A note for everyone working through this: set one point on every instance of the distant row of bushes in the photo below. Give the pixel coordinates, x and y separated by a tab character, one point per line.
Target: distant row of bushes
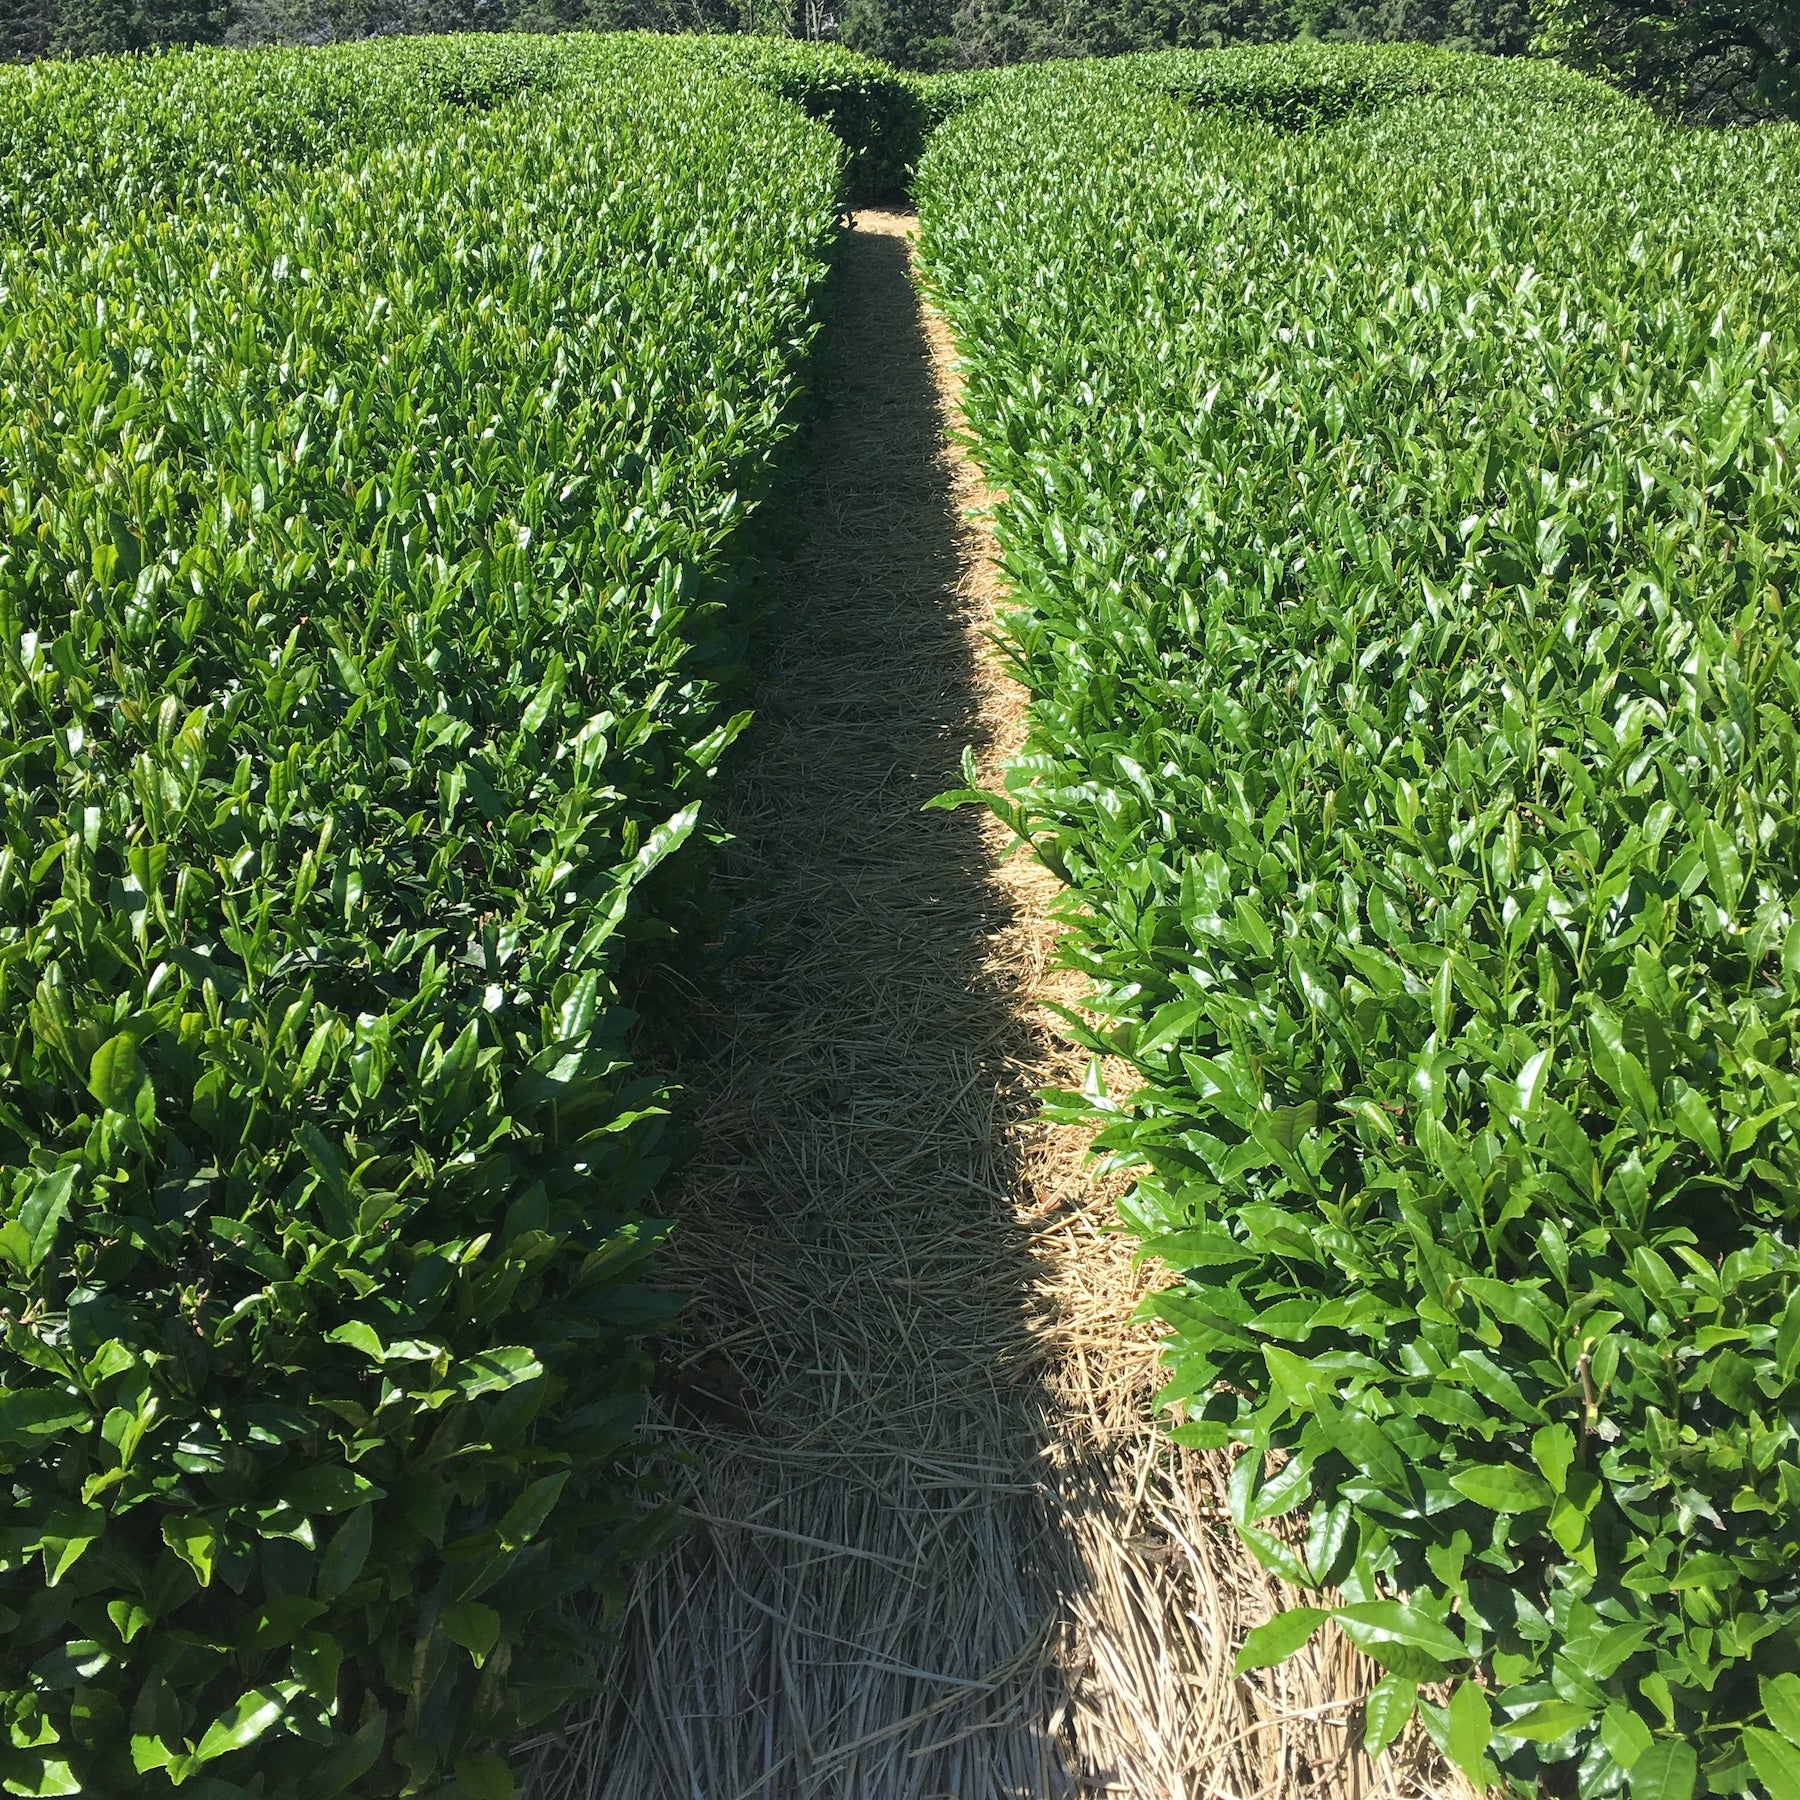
1720	60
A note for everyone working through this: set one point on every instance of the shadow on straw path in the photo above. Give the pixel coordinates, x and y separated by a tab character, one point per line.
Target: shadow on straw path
935	1549
861	1604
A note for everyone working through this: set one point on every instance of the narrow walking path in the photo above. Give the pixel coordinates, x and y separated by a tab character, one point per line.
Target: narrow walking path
935	1550
864	1603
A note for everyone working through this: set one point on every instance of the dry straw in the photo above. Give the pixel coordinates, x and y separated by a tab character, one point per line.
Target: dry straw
936	1547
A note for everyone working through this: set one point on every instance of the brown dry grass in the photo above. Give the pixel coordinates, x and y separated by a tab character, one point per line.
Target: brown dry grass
937	1548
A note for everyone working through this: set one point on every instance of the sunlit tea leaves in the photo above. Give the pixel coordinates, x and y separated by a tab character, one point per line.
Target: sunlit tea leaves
1399	456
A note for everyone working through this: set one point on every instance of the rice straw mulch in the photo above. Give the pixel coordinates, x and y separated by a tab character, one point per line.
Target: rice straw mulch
936	1549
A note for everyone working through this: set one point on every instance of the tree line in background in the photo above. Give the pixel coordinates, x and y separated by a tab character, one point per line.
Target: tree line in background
917	34
1717	60
980	33
35	28
1710	59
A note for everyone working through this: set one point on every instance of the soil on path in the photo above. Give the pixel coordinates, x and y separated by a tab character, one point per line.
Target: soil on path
935	1550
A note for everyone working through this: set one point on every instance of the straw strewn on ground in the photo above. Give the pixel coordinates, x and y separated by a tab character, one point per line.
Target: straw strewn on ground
936	1548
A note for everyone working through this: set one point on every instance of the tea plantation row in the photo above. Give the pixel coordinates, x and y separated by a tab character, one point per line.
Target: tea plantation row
1402	488
378	430
1400	510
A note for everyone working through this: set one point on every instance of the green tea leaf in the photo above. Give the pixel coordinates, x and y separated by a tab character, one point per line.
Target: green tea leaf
345	1553
505	1366
1667	1770
240	1725
1776	1762
474	1626
1387	1712
484	1778
1548	1721
1624	1734
1553	1450
114	1072
1502	1488
1691	1112
195	1540
1780	1695
1279	1638
1372	1625
30	1416
1470	1731
43	1211
521	1521
325	1488
1531	1082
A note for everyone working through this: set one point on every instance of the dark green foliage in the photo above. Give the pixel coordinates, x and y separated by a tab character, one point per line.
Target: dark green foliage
250	23
925	35
1494	27
1404	582
100	27
26	27
370	523
653	15
979	34
993	32
916	35
1712	59
879	115
96	28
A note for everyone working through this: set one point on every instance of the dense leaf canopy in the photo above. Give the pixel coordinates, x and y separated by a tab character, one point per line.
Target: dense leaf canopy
1713	59
1402	584
378	427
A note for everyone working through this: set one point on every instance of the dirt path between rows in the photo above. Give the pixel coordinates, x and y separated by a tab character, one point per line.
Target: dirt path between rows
936	1551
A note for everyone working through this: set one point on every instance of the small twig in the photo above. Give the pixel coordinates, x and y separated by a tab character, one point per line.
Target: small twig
1590	1404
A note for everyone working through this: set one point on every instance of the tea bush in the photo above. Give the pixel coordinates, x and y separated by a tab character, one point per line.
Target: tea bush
120	135
1301	86
371	497
1401	522
881	115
